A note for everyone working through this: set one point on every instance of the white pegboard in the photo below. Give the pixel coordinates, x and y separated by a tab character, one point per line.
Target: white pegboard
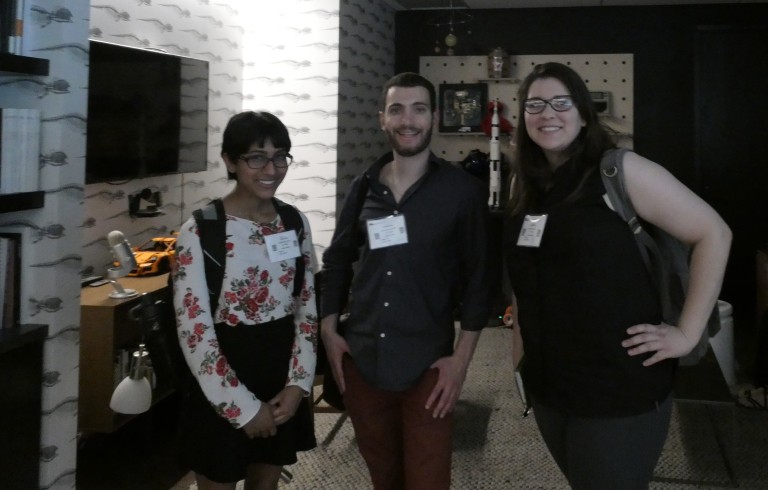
611	73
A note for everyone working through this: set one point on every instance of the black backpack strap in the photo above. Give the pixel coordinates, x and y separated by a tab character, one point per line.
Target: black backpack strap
292	221
612	173
362	194
211	226
212	223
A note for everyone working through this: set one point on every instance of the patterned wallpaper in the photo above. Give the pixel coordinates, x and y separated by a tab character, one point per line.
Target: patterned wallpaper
367	61
317	64
321	73
198	29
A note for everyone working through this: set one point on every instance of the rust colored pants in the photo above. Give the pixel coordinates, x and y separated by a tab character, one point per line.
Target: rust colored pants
404	447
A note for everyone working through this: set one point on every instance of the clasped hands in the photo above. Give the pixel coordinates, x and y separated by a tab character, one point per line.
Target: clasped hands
275	412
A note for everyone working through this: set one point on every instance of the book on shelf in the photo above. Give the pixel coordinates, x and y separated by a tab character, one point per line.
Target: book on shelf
19	27
12	13
10	263
6	11
19	150
3	273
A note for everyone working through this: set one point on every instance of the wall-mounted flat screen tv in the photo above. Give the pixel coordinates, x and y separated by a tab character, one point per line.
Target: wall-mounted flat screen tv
147	113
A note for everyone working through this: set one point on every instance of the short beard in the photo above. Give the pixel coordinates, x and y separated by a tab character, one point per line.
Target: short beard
409	152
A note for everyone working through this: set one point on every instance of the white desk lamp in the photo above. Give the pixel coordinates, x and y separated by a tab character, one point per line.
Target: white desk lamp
134	393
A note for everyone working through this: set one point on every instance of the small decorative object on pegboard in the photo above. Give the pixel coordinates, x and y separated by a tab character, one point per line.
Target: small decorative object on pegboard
494	161
498	63
462	107
505	127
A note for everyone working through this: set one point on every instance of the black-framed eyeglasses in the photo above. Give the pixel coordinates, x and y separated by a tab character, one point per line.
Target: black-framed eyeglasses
257	161
536	105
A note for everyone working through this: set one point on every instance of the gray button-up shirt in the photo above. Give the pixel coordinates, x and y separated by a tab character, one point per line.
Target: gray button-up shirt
404	298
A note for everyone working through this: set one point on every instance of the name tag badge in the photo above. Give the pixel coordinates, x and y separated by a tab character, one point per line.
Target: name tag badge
387	232
532	230
282	246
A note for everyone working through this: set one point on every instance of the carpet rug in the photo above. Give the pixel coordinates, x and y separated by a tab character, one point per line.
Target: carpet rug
495	447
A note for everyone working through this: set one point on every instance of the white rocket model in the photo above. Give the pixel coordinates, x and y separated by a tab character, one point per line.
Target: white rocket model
494	199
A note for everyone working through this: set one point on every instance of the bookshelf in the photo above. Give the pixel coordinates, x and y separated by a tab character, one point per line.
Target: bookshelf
25	65
13	64
21	362
21	201
21	346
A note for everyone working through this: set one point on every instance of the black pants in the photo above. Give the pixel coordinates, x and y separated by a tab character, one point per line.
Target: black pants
605	453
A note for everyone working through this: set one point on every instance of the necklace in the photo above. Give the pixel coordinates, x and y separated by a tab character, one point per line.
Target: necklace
263	217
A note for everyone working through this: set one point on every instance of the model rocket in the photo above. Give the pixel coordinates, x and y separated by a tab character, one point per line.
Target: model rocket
494	198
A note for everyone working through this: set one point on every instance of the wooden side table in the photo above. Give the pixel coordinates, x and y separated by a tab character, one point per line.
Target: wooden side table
106	328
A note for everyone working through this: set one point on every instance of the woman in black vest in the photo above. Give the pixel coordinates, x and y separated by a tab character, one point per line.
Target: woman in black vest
599	362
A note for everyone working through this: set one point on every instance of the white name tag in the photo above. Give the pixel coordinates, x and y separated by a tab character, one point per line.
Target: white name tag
282	246
532	230
387	232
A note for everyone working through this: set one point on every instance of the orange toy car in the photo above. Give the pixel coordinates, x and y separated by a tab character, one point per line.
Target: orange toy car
155	256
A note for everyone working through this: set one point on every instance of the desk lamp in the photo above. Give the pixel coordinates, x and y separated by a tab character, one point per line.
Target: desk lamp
123	254
134	394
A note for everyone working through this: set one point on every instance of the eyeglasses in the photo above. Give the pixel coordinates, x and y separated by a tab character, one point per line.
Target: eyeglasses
258	161
536	105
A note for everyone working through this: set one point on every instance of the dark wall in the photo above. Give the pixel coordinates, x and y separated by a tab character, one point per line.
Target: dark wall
662	40
682	94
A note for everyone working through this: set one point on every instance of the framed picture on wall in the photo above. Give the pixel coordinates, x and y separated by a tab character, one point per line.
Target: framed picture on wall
462	107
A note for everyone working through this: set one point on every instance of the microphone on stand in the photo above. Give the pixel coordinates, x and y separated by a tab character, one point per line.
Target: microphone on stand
126	260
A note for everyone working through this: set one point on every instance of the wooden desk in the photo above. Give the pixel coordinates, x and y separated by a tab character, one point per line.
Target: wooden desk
106	328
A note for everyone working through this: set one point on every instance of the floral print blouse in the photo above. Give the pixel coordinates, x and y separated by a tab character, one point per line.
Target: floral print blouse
254	291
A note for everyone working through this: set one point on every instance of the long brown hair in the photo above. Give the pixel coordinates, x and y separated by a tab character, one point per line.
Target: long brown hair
530	167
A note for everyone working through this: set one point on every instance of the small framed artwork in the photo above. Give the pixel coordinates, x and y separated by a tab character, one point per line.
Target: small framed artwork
462	107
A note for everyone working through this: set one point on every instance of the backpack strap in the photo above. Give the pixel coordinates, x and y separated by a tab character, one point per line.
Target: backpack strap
212	225
362	193
612	173
292	221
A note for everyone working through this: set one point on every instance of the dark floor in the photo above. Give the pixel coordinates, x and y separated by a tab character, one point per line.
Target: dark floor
141	455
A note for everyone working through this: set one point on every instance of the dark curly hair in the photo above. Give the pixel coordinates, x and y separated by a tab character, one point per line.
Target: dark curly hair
249	127
408	79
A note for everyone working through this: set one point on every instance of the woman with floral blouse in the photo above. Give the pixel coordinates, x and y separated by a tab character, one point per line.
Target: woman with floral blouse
253	357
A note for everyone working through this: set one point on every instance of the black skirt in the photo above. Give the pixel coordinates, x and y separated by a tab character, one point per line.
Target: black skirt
209	445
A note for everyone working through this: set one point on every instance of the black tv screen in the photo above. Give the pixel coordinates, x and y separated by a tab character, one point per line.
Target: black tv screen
147	113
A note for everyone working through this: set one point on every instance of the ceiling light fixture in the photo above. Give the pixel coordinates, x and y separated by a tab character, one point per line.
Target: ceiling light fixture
450	18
